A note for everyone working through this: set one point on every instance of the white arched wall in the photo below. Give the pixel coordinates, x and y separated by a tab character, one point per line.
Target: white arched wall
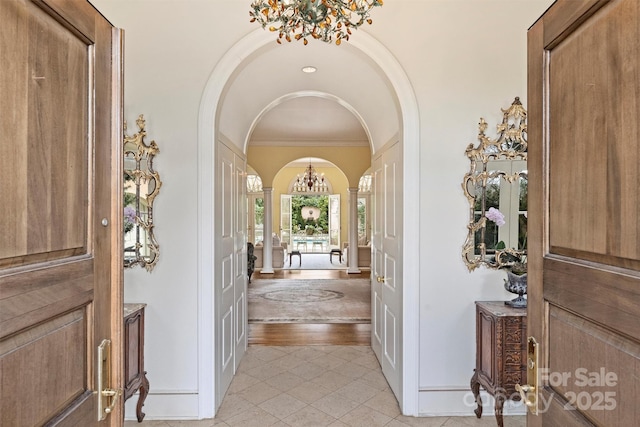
300	94
207	138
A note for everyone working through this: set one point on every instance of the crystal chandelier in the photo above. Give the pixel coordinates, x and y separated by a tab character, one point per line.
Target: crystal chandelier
310	181
320	19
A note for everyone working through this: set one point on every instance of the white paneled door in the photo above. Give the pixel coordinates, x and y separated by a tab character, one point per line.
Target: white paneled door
230	285
386	290
285	219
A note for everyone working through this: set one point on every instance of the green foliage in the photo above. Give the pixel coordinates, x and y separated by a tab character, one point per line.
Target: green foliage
129	198
300	223
259	211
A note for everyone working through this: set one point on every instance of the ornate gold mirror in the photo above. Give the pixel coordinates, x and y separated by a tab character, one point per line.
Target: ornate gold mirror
141	186
496	188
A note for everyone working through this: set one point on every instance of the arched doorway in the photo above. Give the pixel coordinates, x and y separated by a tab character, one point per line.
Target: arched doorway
408	138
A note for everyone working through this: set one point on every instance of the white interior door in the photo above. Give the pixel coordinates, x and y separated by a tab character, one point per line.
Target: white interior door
285	219
386	295
334	220
240	278
230	280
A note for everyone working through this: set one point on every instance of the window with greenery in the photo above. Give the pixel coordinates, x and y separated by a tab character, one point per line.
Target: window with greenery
301	224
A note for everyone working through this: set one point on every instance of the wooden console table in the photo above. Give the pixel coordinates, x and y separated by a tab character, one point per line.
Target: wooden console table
135	376
501	353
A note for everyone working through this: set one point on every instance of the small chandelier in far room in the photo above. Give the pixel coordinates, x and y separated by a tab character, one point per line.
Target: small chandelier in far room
310	181
320	19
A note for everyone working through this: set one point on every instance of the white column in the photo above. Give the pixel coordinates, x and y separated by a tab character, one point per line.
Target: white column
352	253
267	251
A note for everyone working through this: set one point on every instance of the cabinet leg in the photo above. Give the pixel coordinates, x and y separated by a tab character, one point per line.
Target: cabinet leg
498	408
475	388
144	390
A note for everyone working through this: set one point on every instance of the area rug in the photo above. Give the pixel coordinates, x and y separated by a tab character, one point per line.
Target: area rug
311	261
310	301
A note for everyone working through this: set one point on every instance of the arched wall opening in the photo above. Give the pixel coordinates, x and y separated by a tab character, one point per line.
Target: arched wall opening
208	137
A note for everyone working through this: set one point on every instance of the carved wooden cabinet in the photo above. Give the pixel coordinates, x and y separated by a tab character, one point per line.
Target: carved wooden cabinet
135	376
501	353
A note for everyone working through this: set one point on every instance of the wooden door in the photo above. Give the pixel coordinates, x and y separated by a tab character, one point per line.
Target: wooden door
60	212
386	288
584	227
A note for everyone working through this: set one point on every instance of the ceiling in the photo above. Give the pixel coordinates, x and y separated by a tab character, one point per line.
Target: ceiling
269	100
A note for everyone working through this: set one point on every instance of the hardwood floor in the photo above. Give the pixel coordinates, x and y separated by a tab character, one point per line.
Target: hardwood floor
281	334
286	334
310	274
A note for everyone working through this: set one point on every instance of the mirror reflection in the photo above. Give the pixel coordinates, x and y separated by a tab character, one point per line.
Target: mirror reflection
141	186
496	188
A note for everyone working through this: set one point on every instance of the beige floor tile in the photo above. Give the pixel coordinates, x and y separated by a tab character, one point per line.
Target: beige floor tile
131	423
260	392
309	417
376	380
267	371
347	353
384	402
351	370
240	382
285	381
282	405
231	406
289	361
267	354
365	417
254	417
328	361
309	392
316	386
421	421
308	371
308	353
331	380
485	421
358	390
367	361
198	423
335	405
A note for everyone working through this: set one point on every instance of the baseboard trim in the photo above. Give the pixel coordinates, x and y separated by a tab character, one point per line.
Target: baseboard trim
460	402
165	406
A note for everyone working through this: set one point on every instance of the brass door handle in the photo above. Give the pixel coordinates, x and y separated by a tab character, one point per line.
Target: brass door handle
524	391
529	391
107	397
113	394
380	279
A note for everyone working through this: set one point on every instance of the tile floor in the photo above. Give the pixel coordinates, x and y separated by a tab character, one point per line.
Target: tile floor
314	386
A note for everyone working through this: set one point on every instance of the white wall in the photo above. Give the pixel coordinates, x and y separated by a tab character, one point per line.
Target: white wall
466	59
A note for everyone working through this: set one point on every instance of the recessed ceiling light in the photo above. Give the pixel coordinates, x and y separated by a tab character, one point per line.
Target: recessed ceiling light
309	69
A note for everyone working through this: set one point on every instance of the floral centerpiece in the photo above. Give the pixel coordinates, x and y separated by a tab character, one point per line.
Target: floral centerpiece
513	261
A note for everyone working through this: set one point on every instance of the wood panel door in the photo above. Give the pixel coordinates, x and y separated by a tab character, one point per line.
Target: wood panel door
584	225
386	277
60	212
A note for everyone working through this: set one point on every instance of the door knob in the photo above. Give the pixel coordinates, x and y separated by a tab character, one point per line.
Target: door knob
380	279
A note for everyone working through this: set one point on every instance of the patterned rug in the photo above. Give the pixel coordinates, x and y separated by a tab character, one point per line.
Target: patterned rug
310	301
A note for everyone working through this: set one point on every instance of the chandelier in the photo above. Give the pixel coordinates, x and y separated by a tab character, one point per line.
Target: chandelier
320	19
310	181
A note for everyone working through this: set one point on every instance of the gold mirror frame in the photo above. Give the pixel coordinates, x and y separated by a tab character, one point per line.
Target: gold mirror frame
144	182
511	144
